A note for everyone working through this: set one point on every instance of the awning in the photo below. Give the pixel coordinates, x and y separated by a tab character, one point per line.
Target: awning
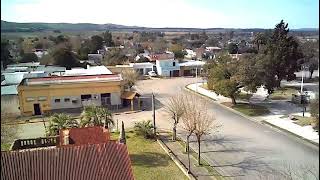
129	95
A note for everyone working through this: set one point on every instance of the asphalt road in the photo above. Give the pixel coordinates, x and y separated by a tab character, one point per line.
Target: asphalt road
242	149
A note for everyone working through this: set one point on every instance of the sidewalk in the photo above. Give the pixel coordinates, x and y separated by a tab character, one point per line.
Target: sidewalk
177	149
277	109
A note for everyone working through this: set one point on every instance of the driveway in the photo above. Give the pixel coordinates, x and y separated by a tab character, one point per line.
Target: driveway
242	149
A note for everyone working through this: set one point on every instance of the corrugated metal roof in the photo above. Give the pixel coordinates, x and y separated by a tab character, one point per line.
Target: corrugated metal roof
73	79
93	161
9	90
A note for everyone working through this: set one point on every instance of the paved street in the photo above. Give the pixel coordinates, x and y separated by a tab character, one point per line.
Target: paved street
242	149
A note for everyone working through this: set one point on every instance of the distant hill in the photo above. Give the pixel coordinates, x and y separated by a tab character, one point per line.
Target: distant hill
36	27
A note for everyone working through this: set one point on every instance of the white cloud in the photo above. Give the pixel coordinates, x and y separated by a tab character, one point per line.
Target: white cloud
164	13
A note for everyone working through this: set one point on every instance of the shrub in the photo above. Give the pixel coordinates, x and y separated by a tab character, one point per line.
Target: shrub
144	128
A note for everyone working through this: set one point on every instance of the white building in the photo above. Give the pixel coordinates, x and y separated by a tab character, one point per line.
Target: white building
142	68
168	67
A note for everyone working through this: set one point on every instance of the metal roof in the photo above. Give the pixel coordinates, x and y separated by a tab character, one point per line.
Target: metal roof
9	90
72	79
101	161
192	63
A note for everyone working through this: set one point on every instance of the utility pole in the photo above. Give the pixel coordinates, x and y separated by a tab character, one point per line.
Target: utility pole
154	115
196	78
302	96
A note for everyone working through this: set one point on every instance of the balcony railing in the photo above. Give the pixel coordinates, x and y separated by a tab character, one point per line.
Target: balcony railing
35	142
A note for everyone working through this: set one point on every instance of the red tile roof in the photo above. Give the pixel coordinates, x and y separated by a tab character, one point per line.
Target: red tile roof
86	135
103	161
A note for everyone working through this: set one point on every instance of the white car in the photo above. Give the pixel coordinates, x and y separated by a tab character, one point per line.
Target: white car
152	74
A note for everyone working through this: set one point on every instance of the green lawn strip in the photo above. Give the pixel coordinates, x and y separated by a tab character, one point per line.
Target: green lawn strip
303	121
148	160
249	109
204	163
283	93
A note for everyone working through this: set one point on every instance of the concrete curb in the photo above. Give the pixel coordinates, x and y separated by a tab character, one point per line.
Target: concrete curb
262	122
175	159
291	133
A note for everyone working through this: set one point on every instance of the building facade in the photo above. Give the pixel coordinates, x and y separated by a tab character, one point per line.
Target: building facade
168	67
41	95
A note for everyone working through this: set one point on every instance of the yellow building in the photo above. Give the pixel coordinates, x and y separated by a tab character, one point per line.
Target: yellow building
40	95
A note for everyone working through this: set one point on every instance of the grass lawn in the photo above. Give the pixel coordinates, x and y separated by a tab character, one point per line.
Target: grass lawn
303	121
249	109
149	160
284	93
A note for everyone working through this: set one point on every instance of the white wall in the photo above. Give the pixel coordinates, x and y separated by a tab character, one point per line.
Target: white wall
10	105
62	104
165	66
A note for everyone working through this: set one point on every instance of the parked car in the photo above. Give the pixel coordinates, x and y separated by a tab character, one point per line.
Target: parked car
152	74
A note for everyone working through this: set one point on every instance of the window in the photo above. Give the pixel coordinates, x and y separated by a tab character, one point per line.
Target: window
86	97
42	98
28	99
57	100
106	99
174	64
66	99
74	101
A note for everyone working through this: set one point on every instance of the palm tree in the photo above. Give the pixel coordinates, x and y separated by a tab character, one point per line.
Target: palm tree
105	116
96	116
60	121
144	128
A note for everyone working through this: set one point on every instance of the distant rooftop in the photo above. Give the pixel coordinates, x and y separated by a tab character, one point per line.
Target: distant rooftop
91	70
9	90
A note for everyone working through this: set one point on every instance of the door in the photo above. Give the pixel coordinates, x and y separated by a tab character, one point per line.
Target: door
37	110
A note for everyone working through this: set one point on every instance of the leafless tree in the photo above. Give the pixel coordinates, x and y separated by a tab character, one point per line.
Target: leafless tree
189	120
205	123
130	77
175	107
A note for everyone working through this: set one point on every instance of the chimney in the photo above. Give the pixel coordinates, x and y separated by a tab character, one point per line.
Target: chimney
122	135
65	137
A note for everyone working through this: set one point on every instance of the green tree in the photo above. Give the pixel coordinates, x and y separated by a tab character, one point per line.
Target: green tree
226	76
60	121
144	128
29	57
96	116
233	48
281	58
96	43
107	37
6	58
60	39
63	56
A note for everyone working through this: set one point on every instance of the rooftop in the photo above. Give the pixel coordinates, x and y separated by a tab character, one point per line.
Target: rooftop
9	90
91	70
71	79
192	63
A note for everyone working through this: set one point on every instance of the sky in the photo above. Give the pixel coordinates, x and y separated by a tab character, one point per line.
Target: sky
167	13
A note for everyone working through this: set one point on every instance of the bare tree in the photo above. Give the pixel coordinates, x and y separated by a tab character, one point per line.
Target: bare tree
188	120
176	109
205	123
130	77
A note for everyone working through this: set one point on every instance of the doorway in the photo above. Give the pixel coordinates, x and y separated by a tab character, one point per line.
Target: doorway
36	108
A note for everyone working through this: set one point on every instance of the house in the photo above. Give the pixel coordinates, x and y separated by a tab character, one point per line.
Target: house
41	95
168	67
143	68
190	67
77	153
